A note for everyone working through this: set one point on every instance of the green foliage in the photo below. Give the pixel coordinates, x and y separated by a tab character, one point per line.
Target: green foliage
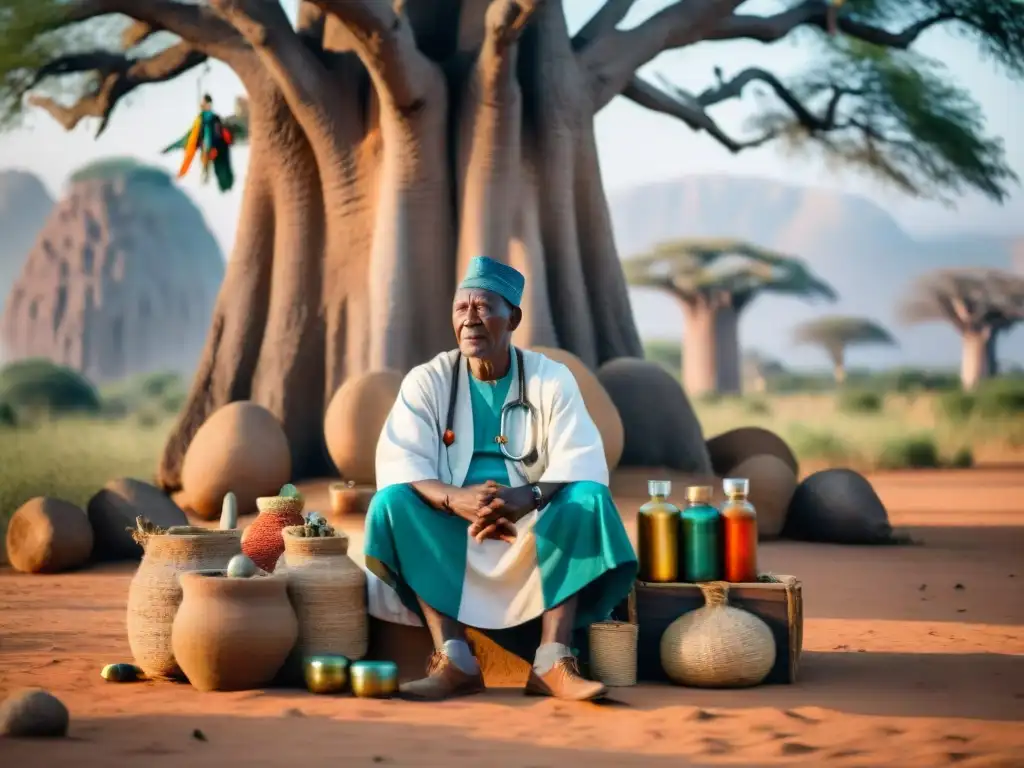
914	452
901	117
122	167
963	458
996	399
757	406
860	402
834	333
8	416
694	267
151	397
667	354
819	444
41	387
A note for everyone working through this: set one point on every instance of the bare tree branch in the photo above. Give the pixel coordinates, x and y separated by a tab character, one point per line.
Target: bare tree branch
311	23
384	41
135	33
118	75
612	58
689	110
814	13
604	21
505	21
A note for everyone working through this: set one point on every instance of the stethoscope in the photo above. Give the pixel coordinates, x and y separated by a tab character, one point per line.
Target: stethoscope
521	403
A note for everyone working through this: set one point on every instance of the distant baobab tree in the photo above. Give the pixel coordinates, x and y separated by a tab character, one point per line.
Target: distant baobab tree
715	280
979	303
834	333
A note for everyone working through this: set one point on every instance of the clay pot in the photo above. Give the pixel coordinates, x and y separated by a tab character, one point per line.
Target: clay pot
730	448
155	592
241	448
661	428
263	542
772	484
114	508
328	592
354	420
599	405
232	634
349	499
47	535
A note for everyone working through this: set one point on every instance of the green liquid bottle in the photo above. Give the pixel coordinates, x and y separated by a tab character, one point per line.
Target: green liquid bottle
701	536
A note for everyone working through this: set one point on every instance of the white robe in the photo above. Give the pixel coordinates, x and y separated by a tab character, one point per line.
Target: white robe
502	585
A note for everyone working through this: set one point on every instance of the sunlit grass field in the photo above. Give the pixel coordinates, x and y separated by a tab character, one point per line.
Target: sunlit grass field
73	457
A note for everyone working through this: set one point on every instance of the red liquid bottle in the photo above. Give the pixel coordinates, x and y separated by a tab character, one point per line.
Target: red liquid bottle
739	532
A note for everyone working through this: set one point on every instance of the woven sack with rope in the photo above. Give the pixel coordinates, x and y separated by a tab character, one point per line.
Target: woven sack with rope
718	645
613	649
155	593
328	592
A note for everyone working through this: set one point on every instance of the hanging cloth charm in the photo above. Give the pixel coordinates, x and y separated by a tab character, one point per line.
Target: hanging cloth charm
832	16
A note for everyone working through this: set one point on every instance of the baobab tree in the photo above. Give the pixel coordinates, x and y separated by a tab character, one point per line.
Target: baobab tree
390	140
979	303
714	280
835	333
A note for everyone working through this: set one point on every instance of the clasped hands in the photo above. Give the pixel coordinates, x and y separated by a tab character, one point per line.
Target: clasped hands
492	509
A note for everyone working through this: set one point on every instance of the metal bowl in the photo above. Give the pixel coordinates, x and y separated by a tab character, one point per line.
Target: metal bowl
326	674
374	679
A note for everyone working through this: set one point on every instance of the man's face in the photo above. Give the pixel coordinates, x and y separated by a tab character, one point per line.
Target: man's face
483	323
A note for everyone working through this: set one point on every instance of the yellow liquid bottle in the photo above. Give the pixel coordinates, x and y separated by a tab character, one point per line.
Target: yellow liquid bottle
658	535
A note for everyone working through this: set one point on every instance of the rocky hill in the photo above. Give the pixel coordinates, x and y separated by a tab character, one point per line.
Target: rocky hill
121	279
24	206
849	240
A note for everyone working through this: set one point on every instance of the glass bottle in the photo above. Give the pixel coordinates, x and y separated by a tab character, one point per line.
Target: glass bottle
658	535
739	532
701	536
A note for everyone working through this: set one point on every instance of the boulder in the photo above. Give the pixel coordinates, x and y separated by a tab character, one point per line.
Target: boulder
33	713
599	405
354	419
730	448
660	427
240	448
112	511
47	535
121	280
772	484
837	506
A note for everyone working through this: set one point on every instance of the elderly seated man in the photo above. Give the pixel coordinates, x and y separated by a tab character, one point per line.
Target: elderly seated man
493	506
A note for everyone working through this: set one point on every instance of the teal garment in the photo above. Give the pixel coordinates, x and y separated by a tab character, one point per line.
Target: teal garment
581	544
487	399
208	133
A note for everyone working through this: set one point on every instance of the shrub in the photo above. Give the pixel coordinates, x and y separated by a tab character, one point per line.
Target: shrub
757	407
8	418
860	402
914	452
819	444
1000	399
159	384
41	386
963	458
956	406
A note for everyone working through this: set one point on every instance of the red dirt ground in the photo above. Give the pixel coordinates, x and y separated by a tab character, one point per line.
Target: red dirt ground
901	667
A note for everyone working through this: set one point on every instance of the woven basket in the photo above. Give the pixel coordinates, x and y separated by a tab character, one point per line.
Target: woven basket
613	647
155	593
717	646
328	592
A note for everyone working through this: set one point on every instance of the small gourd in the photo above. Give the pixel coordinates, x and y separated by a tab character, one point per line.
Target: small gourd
121	673
241	567
229	512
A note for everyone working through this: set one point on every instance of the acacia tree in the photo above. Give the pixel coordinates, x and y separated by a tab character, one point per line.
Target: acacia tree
393	139
714	280
980	303
835	333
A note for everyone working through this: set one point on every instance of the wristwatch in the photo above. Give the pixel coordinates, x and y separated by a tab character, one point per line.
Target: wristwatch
538	496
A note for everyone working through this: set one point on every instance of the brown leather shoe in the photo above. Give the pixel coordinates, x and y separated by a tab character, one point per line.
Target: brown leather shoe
443	681
564	681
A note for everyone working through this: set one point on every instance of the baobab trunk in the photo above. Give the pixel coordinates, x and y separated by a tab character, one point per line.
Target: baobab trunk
974	362
838	355
728	369
700	359
376	170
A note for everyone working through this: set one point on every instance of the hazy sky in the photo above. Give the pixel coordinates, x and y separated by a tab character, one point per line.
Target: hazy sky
636	146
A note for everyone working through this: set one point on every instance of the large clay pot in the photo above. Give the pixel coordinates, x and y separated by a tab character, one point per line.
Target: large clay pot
155	592
354	419
262	542
328	592
233	634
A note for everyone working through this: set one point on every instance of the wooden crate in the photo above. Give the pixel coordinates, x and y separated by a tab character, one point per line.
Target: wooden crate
779	605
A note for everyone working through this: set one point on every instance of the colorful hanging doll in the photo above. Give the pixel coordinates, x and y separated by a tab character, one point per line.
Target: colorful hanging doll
832	16
212	139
